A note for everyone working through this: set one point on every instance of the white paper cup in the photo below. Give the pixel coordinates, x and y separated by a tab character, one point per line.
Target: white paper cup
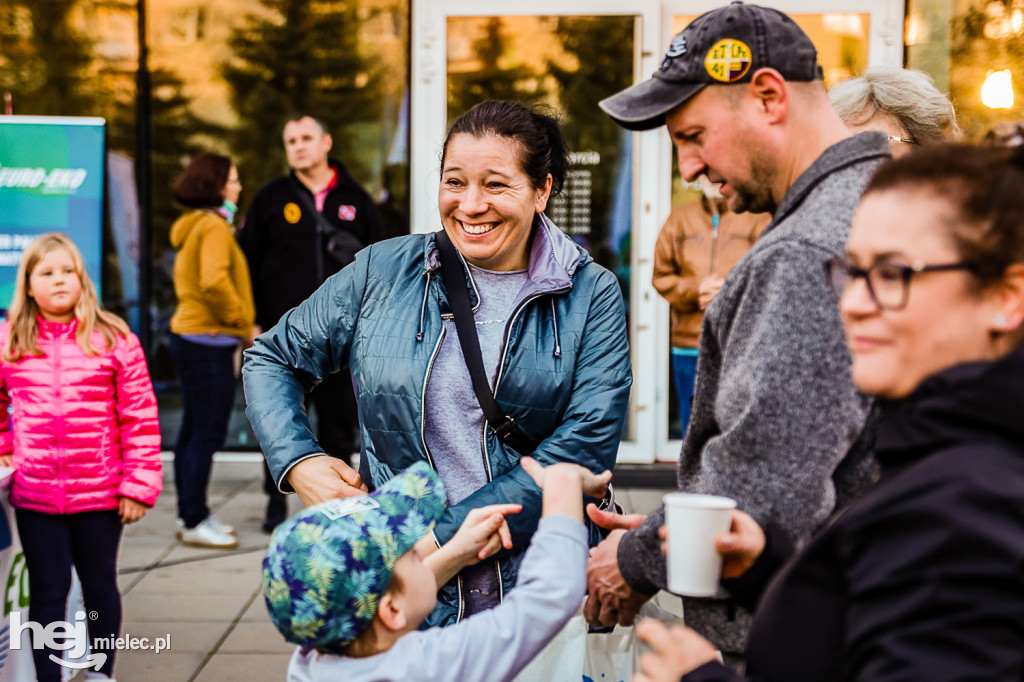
694	521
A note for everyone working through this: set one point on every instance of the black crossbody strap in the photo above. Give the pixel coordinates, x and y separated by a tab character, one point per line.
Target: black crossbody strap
458	298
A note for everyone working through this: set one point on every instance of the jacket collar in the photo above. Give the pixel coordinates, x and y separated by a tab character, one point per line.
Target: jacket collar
56	329
848	152
343	179
972	402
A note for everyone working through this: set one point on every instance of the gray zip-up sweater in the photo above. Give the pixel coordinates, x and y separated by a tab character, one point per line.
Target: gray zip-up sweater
775	412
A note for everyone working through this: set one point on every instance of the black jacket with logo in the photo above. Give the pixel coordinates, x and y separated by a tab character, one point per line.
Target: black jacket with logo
280	239
922	577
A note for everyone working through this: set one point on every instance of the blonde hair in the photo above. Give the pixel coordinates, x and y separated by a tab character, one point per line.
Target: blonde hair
23	318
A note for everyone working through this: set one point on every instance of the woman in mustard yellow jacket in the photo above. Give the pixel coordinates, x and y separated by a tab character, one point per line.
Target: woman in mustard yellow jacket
215	314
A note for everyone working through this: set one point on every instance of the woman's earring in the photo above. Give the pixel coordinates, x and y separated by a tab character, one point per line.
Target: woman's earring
999	321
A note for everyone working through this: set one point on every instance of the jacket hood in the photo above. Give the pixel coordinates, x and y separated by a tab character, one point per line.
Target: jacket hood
967	403
184	225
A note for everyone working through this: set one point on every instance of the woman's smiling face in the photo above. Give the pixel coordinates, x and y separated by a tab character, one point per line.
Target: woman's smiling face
487	201
946	321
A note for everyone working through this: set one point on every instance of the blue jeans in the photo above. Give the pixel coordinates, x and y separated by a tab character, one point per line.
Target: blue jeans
684	369
208	395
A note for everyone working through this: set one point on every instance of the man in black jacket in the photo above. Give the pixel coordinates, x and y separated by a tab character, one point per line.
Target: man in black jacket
301	229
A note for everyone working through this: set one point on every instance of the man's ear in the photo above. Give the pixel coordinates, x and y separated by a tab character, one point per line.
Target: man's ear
390	613
769	90
329	140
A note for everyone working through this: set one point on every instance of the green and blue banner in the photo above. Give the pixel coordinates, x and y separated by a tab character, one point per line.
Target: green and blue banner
51	180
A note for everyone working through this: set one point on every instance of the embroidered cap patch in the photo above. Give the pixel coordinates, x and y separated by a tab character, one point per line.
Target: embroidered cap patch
728	60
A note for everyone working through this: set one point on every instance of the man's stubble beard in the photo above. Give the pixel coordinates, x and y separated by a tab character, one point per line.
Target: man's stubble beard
755	194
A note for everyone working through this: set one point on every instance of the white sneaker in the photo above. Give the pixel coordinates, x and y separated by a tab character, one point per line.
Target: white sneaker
221	526
206	535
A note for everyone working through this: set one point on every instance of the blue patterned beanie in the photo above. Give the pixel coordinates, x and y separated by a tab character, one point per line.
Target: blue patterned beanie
328	566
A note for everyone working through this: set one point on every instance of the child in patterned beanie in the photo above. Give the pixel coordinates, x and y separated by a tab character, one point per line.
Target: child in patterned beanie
345	581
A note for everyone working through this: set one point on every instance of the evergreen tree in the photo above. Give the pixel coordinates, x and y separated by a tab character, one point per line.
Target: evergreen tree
293	57
44	60
491	80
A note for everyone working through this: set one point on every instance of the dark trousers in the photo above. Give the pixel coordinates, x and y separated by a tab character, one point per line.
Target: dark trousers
53	543
208	395
337	420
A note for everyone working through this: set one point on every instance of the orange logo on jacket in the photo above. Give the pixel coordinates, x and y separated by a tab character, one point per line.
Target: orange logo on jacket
292	212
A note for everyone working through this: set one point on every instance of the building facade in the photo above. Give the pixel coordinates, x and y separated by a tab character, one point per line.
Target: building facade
388	75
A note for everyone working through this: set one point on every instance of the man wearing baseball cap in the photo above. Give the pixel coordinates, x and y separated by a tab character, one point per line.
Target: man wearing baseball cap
775	414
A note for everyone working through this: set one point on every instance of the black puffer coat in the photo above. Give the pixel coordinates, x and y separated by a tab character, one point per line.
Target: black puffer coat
921	578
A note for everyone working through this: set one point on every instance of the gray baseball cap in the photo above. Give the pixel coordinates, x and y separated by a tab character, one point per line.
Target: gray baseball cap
723	46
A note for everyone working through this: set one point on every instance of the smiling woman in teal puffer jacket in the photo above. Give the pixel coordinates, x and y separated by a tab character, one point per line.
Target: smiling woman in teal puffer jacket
552	333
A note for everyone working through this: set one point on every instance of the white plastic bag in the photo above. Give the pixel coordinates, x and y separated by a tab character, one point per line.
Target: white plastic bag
612	657
562	659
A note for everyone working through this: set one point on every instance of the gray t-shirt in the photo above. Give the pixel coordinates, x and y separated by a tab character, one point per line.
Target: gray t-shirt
454	420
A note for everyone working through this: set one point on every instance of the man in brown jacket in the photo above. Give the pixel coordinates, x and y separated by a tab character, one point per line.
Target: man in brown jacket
698	245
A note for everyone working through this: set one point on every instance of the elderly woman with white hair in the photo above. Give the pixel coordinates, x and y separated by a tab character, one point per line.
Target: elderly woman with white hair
903	103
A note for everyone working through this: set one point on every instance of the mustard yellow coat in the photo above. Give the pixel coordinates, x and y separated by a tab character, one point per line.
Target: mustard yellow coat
211	278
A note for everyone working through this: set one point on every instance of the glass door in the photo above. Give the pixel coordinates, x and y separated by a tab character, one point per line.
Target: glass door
568	56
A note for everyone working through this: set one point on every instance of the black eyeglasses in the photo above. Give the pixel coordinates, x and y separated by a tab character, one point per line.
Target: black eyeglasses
888	283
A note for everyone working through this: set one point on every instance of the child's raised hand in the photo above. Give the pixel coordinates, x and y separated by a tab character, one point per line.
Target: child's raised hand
594	485
131	510
483	533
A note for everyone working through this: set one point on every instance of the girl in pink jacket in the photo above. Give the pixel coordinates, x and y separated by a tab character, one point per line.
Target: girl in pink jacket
81	434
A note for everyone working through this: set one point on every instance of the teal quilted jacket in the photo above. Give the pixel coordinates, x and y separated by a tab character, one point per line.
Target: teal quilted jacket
564	373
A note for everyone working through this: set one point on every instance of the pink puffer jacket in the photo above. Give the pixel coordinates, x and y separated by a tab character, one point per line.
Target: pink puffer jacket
84	428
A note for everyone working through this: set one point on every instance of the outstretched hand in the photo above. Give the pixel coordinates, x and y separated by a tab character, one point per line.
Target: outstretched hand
610	520
594	485
321	478
483	533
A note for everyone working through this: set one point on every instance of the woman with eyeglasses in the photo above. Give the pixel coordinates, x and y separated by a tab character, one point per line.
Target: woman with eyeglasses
922	577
